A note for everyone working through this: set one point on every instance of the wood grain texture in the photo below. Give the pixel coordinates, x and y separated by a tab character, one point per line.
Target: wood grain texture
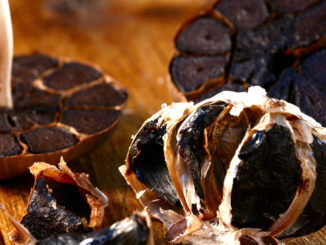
132	40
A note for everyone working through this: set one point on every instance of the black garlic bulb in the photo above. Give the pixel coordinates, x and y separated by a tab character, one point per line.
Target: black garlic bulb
237	168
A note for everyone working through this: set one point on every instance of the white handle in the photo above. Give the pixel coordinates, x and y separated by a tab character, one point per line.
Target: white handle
6	55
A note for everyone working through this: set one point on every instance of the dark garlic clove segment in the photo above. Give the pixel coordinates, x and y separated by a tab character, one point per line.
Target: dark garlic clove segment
62	202
61	108
132	230
258	201
278	45
146	159
65	208
245	169
313	216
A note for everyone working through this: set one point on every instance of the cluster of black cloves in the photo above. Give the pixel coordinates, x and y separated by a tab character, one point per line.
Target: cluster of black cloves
237	168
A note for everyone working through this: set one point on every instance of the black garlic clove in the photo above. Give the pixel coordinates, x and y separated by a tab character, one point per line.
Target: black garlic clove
62	202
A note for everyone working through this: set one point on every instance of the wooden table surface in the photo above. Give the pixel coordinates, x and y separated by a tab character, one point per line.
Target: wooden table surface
132	40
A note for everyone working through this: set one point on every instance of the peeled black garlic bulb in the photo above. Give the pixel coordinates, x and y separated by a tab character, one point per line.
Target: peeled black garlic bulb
237	168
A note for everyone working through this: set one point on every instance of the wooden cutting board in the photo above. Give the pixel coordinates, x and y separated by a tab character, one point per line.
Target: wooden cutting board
133	41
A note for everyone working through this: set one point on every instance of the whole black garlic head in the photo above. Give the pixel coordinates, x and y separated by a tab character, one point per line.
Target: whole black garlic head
237	168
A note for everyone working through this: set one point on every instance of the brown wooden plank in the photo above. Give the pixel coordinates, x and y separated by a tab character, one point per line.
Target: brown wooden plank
133	41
